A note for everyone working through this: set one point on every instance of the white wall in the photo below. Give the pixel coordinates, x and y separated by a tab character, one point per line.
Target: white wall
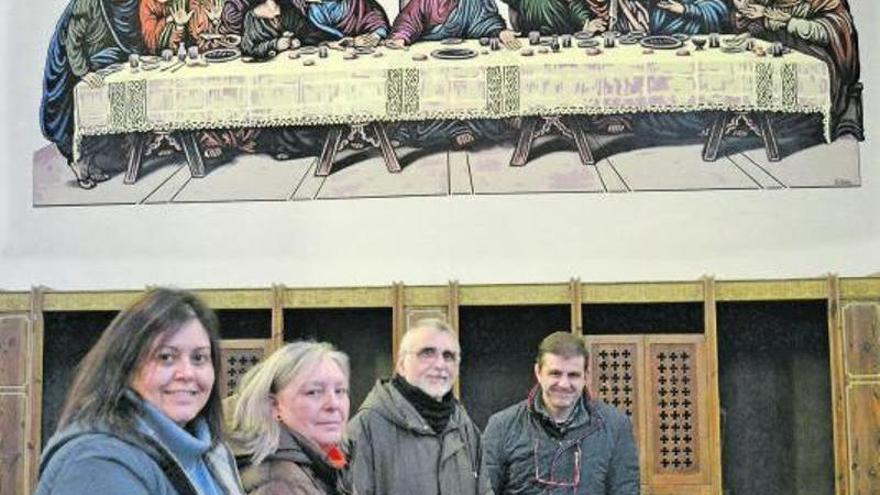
548	238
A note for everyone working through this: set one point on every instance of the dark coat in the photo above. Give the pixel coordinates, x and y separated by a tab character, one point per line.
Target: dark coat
294	468
599	439
395	451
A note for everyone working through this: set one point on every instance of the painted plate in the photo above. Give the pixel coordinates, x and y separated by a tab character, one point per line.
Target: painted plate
219	55
661	42
630	38
453	53
587	43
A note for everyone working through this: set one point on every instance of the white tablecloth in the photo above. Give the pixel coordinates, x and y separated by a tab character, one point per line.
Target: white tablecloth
495	84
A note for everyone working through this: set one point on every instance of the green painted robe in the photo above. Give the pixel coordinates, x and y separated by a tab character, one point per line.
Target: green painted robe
550	16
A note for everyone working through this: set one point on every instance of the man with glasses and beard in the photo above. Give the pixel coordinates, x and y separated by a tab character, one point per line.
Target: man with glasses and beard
560	440
411	435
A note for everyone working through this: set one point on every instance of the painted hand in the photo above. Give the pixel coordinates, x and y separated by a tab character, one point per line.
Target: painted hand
282	43
370	40
395	43
777	15
214	14
754	12
181	17
672	6
594	26
508	39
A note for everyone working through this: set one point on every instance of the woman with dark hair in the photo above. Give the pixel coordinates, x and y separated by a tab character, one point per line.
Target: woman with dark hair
144	415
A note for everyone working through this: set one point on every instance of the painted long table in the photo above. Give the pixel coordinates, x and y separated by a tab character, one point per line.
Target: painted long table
394	86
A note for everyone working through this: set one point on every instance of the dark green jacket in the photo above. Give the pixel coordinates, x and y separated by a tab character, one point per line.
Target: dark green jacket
394	451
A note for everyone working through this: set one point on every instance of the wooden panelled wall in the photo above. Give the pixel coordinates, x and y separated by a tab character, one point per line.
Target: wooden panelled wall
668	384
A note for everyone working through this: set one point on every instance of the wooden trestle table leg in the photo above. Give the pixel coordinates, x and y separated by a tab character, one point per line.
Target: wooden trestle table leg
328	153
524	144
386	148
135	157
768	134
716	134
193	153
580	140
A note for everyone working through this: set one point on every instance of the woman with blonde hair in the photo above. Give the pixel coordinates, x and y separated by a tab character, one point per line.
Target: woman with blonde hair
289	417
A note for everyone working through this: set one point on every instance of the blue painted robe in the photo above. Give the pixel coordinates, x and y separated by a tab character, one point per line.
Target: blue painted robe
342	18
90	35
700	16
472	19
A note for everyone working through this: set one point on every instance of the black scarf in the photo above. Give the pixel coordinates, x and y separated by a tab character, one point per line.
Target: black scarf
436	413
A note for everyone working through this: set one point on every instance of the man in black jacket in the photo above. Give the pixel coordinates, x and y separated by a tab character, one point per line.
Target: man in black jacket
560	438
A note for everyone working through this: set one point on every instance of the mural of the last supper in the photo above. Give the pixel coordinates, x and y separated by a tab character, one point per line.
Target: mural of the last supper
158	101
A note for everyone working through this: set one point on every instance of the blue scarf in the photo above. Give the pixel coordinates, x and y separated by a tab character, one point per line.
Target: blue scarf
187	448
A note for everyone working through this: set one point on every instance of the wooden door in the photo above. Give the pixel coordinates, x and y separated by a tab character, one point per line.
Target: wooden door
659	382
677	432
861	331
16	422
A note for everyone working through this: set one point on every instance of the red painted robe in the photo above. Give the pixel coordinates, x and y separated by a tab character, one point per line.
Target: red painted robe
157	32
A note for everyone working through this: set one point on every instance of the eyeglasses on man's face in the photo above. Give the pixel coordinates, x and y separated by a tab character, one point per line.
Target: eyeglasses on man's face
550	480
428	354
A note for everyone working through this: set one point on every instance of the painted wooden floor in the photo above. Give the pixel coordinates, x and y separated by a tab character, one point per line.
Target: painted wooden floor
621	167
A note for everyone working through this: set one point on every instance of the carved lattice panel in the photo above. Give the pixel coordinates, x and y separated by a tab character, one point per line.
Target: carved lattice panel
616	370
677	424
238	357
616	376
675	407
